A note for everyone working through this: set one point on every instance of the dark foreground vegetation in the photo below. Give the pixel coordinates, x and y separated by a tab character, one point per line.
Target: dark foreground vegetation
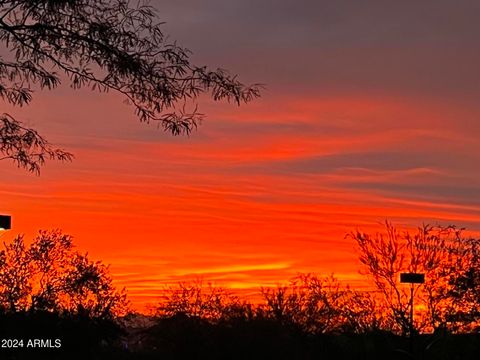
56	303
188	338
185	337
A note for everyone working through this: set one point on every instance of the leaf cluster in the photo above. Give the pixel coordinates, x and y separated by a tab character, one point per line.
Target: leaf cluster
105	45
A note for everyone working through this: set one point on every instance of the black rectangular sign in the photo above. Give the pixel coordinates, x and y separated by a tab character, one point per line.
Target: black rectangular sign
5	222
412	278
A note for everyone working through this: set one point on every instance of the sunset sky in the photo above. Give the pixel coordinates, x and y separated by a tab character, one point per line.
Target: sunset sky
371	111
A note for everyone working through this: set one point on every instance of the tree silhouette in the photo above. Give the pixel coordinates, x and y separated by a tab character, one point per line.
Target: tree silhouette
104	45
463	285
448	261
49	275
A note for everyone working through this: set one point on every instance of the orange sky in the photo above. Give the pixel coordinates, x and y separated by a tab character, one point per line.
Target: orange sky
266	190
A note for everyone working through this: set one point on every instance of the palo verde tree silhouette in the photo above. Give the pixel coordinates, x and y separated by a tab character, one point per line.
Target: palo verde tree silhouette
449	298
104	45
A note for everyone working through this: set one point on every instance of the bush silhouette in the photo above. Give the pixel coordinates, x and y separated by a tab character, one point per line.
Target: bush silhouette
51	292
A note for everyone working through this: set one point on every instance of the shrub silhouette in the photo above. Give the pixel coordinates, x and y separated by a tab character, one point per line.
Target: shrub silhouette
193	299
322	305
310	318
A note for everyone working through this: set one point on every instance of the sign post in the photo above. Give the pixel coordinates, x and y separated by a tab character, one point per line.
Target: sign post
412	279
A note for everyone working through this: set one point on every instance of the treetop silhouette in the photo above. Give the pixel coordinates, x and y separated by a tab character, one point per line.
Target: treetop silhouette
50	275
102	45
450	295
